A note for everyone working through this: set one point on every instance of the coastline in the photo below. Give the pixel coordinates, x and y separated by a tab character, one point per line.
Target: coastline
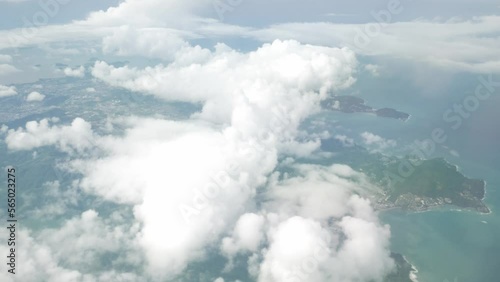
441	208
413	272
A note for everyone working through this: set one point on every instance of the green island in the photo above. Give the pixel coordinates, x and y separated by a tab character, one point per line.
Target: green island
352	104
424	184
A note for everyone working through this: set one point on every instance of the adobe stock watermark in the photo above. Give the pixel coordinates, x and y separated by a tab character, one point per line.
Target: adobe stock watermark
221	7
454	117
462	111
47	9
202	197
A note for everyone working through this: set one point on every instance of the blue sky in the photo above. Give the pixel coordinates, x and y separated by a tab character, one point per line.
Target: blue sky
259	12
12	13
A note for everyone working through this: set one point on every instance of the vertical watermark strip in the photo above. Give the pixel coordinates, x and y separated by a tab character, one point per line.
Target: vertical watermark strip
11	219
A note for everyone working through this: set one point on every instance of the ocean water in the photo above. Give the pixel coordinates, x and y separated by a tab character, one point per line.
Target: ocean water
445	244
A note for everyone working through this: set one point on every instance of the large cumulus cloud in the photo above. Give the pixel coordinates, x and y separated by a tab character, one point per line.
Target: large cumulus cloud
194	183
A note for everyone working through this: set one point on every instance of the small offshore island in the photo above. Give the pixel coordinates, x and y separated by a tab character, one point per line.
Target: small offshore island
351	104
432	183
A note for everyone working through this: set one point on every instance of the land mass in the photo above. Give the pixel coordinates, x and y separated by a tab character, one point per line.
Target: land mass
403	270
351	104
410	183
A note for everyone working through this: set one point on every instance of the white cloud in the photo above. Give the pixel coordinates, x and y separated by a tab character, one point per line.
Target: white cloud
192	182
312	211
312	195
35	97
77	72
76	137
466	45
292	244
67	253
303	250
6	91
373	69
346	141
81	240
366	249
150	13
8	69
5	58
377	142
166	170
39	264
157	43
247	235
279	66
